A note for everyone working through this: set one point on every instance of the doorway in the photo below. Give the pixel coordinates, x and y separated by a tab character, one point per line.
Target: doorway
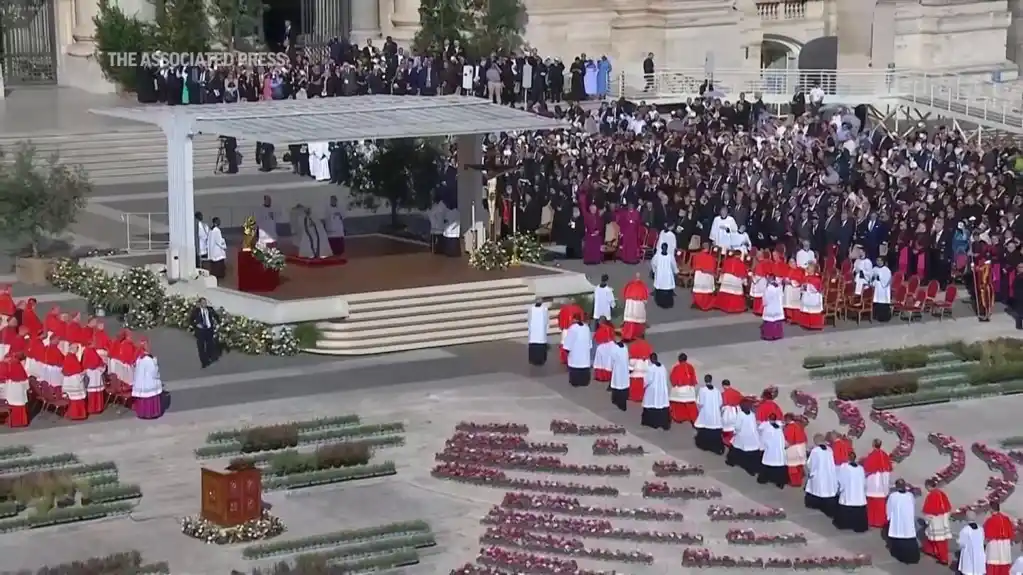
275	14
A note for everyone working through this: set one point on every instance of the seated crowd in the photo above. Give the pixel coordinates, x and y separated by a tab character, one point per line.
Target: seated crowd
75	369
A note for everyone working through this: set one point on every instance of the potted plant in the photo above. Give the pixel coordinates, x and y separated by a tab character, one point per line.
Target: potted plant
40	200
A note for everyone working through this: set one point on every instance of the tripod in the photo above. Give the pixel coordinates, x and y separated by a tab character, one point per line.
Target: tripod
221	166
228	157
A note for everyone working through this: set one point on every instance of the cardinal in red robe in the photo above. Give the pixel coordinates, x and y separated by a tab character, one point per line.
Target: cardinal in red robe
682	397
7	307
639	361
937	513
636	295
53	361
16	392
999	533
704	283
731	296
731	401
94	367
795	450
566	318
767	406
74	386
30	319
877	467
763	269
51	322
841	447
101	341
8	336
35	357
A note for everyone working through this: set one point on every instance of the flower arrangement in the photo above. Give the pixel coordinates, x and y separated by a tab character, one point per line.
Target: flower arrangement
947	444
490	256
266	527
605	446
138	295
661	490
751	537
524	462
463	440
669	468
703	558
528	564
590	528
806	402
487	477
500	428
565	427
893	424
522	539
572	506
998	488
271	257
725	513
849	414
525	247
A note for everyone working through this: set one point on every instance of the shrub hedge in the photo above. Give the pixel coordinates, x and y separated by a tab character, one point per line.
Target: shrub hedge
900	359
867	387
320	566
127	563
285	436
334	539
65	515
308	426
14	451
328	476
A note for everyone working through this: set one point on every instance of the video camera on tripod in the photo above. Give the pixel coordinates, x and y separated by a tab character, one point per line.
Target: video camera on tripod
228	157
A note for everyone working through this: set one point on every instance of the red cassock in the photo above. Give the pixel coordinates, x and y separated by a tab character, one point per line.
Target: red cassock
566	317
841	448
52	320
53	357
636	295
792	297
8	336
18	345
639	360
766	408
18	403
795	452
77	408
731	399
605	333
101	341
30	319
91	362
812	309
731	297
877	466
704	270
999	532
937	511
683	393
7	306
761	271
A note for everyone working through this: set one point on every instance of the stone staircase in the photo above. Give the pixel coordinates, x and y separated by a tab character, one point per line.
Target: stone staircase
401	320
124	156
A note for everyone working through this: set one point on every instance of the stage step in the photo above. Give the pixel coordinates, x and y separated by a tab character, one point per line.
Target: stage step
386	322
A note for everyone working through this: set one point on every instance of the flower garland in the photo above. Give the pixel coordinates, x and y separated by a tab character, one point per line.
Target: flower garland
998	488
487	477
566	427
660	490
806	402
496	255
703	558
605	446
144	304
725	513
849	414
947	445
522	539
528	563
589	528
676	469
572	506
502	428
524	462
751	537
490	256
467	441
271	258
525	246
892	424
266	527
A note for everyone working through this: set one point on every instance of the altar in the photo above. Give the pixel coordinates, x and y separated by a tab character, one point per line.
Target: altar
253	276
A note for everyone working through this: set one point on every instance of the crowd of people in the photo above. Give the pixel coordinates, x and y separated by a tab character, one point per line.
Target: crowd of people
60	363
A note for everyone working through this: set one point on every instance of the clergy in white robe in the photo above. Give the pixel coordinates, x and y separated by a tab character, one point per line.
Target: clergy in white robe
740	242
972	559
451	245
882	282
147	388
579	343
202	241
822	483
539	321
851	512
721	230
805	256
745	451
667	236
901	511
863	274
773	325
665	268
313	242
708	420
217	251
655	396
266	217
620	375
334	225
1017	566
773	463
436	217
319	161
603	300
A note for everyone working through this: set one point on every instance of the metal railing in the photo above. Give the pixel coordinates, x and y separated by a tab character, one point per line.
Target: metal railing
145	231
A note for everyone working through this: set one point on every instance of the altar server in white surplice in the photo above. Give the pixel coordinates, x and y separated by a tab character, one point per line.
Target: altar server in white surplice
664	268
745	450
334	224
972	559
620	376
863	272
708	419
773	464
851	512
655	396
579	343
539	320
667	236
147	388
1017	566
901	511
266	217
822	485
721	230
805	256
603	299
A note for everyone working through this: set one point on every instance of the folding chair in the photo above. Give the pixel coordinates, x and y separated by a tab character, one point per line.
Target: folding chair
911	308
943	308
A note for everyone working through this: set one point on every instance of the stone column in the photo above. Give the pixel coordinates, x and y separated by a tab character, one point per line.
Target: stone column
180	198
405	20
855	20
471	212
83	46
365	21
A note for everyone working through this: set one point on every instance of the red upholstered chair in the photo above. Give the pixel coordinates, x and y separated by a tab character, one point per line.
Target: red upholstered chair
913	284
930	293
899	295
55	398
898	278
910	309
943	308
846	268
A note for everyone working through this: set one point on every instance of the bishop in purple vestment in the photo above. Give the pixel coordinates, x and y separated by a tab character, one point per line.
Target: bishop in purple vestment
629	223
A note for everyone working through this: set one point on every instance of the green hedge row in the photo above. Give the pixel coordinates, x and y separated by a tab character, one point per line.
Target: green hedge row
371	549
904	383
125	563
948	394
1009	348
347	537
15	451
819	361
313	438
268	457
58	516
308	426
327	476
38	463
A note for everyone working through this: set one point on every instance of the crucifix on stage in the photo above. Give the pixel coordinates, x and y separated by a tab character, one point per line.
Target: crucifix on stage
494	197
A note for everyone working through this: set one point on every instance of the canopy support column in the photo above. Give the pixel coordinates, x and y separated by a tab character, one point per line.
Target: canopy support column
471	212
180	201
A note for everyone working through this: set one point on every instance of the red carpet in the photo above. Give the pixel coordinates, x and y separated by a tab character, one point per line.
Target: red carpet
338	260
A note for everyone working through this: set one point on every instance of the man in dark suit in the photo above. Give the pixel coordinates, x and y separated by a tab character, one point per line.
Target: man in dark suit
872	234
204	322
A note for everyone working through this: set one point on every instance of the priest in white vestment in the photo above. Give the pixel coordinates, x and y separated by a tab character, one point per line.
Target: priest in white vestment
539	321
774	462
334	224
655	396
266	217
709	436
667	236
721	230
313	242
972	558
863	272
805	256
851	512
822	483
579	343
603	300
745	451
901	511
664	268
772	326
620	376
882	283
147	388
319	161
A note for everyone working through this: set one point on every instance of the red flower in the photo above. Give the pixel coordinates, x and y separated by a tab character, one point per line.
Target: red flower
589	528
572	506
505	428
849	414
676	469
565	427
605	446
543	543
484	476
661	490
892	424
807	403
465	440
529	563
523	462
725	513
947	444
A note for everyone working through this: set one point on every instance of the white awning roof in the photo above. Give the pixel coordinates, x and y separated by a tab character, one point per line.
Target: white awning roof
342	119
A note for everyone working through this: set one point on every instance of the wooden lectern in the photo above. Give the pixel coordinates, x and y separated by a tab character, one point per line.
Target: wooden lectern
232	497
